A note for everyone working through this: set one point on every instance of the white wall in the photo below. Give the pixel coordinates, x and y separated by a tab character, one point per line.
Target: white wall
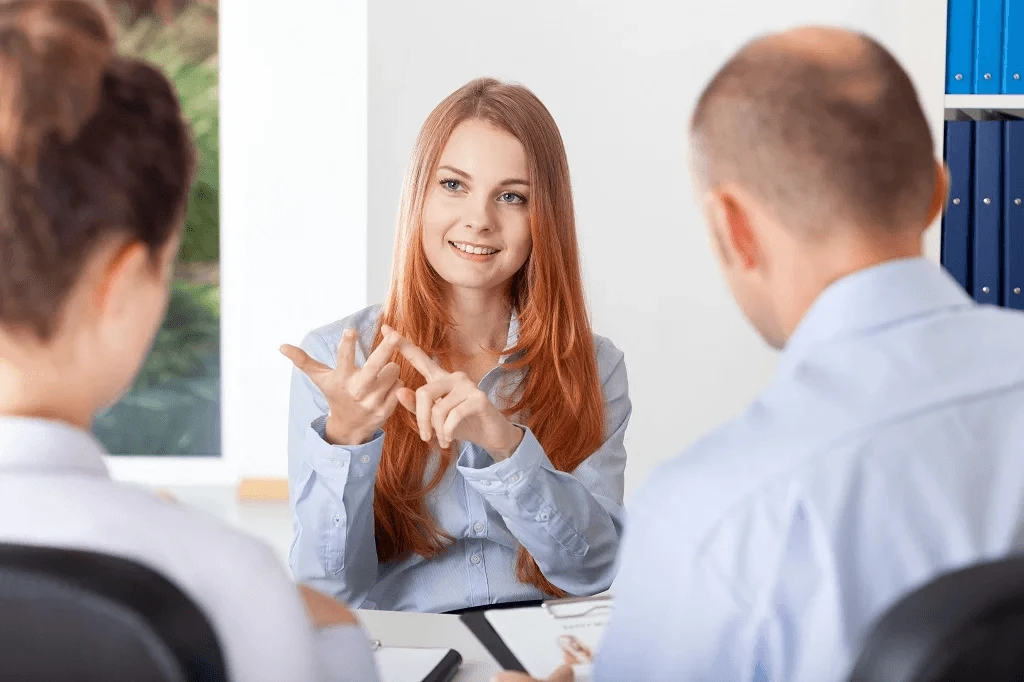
293	203
620	79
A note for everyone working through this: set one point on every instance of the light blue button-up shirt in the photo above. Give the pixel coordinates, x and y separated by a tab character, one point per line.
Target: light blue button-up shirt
569	522
889	448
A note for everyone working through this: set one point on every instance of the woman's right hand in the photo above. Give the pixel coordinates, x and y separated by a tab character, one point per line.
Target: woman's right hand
360	400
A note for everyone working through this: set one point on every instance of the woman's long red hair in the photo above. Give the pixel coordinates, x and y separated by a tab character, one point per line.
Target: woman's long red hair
560	398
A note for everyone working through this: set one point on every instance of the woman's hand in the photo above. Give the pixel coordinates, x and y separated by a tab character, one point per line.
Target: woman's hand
452	407
360	400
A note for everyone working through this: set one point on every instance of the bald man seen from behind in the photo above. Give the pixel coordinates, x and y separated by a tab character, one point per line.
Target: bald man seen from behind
889	447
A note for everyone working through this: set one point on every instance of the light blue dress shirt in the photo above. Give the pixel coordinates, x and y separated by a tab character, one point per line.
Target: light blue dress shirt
889	448
569	522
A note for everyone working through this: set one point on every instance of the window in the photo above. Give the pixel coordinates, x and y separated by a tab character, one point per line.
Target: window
173	409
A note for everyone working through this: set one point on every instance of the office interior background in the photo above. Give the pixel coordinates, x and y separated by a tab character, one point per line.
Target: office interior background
317	105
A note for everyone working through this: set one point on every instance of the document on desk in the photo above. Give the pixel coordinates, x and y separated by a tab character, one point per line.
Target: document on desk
410	664
539	636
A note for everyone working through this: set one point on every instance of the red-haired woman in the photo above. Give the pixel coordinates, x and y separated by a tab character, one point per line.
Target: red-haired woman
462	444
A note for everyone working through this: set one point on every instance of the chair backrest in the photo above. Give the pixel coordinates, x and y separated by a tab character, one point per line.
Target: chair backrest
77	615
964	625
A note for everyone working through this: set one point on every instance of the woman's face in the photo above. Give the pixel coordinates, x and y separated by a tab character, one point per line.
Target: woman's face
476	215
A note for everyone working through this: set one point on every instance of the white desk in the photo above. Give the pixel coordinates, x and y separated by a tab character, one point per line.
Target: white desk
399	628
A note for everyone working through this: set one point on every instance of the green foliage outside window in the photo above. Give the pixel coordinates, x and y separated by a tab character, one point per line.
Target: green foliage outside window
173	408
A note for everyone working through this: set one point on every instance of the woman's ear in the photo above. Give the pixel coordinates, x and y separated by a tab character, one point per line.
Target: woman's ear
120	276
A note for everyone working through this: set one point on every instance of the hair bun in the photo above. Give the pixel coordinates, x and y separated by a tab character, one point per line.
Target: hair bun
53	54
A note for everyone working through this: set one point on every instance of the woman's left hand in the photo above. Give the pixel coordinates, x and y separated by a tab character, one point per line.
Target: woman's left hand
452	407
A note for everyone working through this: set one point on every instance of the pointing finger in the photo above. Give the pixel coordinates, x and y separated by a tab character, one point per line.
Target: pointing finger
305	364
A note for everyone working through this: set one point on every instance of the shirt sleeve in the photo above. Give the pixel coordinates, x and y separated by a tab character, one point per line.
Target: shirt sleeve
331	493
570	523
345	654
265	630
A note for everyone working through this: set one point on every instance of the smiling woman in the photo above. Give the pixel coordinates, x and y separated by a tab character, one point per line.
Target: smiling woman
462	445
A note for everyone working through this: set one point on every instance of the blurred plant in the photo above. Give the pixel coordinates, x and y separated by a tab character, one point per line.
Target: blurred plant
173	408
185	48
190	334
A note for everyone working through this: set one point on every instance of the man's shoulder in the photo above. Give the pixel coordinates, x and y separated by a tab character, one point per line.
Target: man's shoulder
721	470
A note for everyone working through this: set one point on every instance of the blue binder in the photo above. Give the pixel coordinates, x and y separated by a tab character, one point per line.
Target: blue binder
956	220
988	46
960	47
1013	216
987	211
1013	47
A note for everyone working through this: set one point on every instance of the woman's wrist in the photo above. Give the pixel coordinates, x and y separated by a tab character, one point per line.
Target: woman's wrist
337	433
509	444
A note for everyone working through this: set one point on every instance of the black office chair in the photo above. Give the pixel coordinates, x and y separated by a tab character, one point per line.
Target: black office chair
87	617
966	626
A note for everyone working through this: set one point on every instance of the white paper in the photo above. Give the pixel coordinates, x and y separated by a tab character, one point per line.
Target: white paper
533	635
407	664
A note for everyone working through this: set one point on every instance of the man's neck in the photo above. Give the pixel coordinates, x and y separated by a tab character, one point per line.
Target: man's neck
817	268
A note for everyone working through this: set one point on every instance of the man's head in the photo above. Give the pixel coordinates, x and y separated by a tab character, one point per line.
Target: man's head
813	159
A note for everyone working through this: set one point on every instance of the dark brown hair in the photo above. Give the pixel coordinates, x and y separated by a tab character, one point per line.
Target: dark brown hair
92	147
825	138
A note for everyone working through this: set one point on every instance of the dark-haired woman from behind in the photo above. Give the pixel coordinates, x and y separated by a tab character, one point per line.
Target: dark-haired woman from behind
95	168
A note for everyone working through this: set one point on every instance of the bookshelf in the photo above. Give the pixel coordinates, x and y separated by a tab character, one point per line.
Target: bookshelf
975	106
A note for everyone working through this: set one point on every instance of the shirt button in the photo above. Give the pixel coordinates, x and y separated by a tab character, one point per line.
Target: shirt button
475	559
478	527
364	459
543	516
337	520
485	483
513	478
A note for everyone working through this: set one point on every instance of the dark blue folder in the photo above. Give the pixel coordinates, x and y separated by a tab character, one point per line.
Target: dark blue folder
1013	47
988	46
956	221
987	211
1013	215
960	47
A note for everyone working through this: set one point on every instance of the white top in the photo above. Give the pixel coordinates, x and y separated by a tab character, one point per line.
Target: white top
55	491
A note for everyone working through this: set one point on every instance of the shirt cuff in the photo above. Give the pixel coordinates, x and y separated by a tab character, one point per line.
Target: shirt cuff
345	654
509	473
359	460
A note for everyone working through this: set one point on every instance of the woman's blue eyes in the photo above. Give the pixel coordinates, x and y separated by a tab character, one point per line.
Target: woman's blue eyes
504	197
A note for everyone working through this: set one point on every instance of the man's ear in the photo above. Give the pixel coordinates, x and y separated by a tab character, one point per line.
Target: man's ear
733	229
943	184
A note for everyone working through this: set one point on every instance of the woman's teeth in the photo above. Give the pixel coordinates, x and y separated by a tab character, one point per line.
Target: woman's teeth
476	250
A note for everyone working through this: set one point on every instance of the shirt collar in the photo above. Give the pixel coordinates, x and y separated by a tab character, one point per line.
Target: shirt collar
45	446
874	297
